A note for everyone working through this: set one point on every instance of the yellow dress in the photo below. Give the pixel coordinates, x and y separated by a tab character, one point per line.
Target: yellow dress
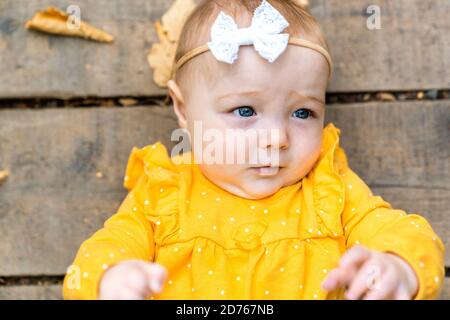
216	245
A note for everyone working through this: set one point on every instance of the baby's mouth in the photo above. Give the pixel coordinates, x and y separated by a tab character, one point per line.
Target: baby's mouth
266	171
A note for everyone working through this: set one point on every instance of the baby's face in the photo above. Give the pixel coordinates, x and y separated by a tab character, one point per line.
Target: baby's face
283	101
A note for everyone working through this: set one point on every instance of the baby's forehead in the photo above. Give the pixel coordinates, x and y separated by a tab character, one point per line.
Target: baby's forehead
297	66
248	67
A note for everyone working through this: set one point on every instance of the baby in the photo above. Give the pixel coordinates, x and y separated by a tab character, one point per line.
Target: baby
297	224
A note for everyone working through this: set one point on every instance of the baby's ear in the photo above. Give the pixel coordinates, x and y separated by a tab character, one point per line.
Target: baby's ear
179	105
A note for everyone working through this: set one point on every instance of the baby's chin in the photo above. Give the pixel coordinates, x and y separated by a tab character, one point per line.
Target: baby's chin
258	189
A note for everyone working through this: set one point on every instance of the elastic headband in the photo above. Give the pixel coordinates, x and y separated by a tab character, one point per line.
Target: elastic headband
264	34
292	40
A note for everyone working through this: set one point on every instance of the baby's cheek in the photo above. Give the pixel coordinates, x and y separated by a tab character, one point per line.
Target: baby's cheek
219	174
307	155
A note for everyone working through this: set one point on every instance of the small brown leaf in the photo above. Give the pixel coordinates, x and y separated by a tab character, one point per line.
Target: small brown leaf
128	102
3	175
385	96
55	21
161	56
174	19
302	3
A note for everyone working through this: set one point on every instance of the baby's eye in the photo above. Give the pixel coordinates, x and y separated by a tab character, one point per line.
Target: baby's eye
244	112
303	113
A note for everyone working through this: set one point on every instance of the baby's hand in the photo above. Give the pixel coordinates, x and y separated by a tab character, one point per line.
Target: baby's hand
132	280
373	275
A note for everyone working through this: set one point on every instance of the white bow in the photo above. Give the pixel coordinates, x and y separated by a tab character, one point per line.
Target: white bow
264	34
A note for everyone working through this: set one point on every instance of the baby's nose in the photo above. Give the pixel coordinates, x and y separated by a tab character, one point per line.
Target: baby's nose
276	137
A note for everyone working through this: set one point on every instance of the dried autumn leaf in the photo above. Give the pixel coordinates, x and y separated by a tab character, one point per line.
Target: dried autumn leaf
174	19
302	3
126	102
161	57
385	96
3	175
55	21
162	54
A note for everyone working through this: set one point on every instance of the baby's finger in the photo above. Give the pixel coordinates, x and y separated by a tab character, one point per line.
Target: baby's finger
124	293
348	267
129	294
367	278
157	275
385	290
336	278
354	257
331	280
136	282
402	295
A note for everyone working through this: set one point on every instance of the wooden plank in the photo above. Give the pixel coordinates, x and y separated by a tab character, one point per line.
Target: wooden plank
53	200
45	292
413	41
33	64
397	144
410	51
445	294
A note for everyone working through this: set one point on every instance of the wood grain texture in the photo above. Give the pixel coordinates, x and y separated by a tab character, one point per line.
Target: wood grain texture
445	294
34	64
410	51
397	144
53	200
50	292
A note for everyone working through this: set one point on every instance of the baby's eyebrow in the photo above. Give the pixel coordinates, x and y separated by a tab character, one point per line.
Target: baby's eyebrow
301	95
256	94
252	94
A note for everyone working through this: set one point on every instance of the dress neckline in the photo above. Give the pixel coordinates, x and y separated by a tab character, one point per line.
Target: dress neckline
282	192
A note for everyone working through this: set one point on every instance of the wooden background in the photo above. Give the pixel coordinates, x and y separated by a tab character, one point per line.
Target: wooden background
53	199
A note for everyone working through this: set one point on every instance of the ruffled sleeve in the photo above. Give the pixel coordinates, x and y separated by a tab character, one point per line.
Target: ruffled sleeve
161	195
372	222
328	191
324	189
342	199
144	162
130	233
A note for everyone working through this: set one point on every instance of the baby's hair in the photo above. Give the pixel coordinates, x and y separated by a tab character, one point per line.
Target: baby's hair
197	29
